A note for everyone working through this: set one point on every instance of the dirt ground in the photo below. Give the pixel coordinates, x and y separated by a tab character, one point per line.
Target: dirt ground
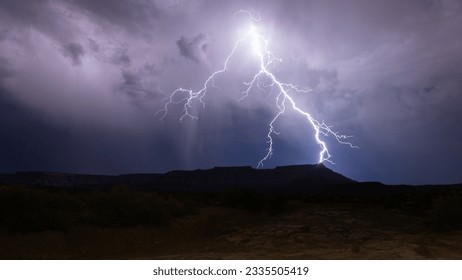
305	231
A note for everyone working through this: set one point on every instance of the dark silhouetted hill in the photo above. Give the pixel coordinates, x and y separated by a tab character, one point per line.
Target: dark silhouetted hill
215	179
315	178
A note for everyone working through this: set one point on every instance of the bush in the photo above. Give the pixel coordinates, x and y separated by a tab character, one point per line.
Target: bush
243	199
252	201
25	210
277	204
127	209
446	213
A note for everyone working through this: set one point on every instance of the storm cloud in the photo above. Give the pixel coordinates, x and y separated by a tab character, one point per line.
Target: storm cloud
6	69
74	51
194	48
83	85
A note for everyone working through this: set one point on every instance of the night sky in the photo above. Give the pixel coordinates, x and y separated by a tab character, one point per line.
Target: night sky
81	82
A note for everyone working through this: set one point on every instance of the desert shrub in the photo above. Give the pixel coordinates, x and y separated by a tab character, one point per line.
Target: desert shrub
243	199
446	213
126	209
117	209
276	204
27	210
252	201
392	201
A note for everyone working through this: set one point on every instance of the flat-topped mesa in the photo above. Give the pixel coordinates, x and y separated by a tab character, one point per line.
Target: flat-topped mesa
282	178
300	167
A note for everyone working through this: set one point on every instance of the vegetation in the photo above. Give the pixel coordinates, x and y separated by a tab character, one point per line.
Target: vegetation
255	202
24	210
88	224
27	210
32	210
446	213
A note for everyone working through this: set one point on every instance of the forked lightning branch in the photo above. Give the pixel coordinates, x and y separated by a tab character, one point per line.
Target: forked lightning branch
283	100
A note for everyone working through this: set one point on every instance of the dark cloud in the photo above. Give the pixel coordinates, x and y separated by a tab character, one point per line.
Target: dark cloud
28	141
122	58
152	68
74	51
135	88
110	53
3	34
133	16
42	15
130	79
132	84
6	69
32	142
94	46
194	48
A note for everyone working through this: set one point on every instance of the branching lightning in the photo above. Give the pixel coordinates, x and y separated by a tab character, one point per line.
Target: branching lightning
283	100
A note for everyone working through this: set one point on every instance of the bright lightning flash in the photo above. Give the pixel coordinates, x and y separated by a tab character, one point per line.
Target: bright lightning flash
283	100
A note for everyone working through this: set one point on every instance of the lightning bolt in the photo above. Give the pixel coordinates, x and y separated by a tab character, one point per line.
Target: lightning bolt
283	100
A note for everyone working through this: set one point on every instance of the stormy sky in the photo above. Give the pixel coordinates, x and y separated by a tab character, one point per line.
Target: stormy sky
81	82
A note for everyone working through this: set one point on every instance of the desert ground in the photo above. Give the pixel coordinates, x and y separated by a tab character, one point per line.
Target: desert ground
228	225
